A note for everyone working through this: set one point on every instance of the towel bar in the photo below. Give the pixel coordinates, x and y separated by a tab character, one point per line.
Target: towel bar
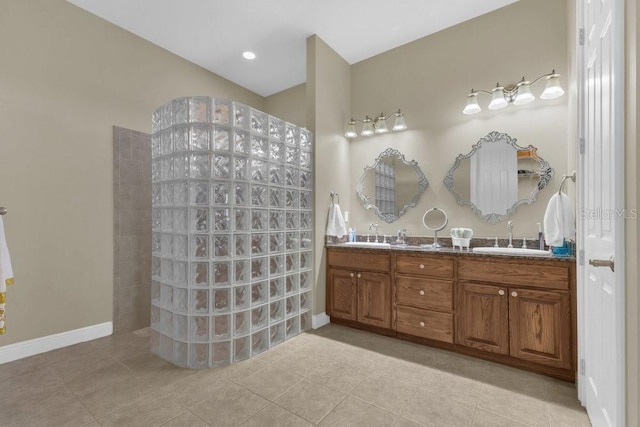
333	196
3	211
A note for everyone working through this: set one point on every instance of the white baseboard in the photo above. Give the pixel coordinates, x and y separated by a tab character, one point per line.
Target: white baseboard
319	320
20	350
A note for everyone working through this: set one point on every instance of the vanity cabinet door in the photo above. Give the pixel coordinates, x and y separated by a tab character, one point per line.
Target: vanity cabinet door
341	294
540	323
374	299
483	320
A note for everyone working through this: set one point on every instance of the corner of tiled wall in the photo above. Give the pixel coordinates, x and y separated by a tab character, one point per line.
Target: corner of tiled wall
132	229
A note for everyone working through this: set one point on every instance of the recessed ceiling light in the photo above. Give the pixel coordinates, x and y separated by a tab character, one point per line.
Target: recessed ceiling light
249	55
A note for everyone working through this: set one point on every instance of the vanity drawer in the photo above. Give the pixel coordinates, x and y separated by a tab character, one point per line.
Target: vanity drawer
425	323
425	266
534	274
424	293
359	260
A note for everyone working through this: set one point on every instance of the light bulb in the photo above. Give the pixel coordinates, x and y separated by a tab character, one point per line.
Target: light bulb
380	125
524	95
472	106
552	89
497	99
399	124
367	127
351	130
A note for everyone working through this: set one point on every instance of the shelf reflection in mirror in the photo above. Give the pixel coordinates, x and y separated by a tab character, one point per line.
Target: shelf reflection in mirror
497	176
391	185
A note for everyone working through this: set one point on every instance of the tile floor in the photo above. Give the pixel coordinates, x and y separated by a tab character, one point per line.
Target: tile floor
333	376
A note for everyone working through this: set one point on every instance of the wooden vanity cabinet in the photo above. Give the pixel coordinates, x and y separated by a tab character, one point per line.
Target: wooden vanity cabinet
523	316
359	287
424	291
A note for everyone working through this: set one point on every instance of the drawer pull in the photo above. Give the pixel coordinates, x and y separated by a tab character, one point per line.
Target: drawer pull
421	292
514	294
422	324
421	265
351	274
359	275
500	292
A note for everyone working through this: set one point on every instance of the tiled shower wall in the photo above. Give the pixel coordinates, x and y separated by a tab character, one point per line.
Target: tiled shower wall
132	229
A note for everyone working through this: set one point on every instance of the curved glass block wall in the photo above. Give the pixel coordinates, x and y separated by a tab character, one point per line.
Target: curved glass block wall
232	238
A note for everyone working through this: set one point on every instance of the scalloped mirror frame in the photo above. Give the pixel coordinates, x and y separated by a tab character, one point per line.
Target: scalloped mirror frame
422	185
545	172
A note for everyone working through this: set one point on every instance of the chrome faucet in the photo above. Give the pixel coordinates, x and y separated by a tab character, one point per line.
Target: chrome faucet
510	233
372	226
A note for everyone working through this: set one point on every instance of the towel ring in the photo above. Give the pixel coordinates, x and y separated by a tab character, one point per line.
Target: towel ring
572	177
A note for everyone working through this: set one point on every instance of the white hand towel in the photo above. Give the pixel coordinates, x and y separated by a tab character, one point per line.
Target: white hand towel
6	275
335	223
559	222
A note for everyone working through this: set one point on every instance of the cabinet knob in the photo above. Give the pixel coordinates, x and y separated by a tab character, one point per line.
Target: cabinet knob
421	265
500	292
351	274
514	294
421	292
422	324
359	275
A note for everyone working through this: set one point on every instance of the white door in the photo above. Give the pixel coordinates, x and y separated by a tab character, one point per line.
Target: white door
601	215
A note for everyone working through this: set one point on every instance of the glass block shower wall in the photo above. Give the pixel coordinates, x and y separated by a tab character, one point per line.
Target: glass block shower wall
232	238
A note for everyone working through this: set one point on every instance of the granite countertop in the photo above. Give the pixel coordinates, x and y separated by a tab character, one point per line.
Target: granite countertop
446	251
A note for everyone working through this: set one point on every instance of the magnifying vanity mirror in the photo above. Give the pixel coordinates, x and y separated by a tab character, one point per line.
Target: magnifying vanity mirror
435	220
391	185
497	176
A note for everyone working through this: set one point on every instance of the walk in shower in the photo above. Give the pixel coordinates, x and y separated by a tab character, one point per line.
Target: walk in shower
231	231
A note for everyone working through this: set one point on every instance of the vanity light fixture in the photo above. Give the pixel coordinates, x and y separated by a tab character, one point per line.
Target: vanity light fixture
519	94
375	126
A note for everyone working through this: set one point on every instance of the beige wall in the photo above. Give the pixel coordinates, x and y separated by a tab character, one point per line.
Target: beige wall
328	102
632	232
429	80
289	105
66	78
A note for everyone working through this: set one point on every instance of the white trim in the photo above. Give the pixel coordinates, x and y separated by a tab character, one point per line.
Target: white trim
20	350
319	320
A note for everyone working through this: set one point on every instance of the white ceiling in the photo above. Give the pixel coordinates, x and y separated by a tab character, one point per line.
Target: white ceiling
214	33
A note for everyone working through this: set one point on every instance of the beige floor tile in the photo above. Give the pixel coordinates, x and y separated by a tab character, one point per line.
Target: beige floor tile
70	415
309	400
186	419
107	399
230	405
196	388
513	405
75	367
403	422
269	382
21	366
568	416
355	412
455	387
39	400
274	415
103	377
430	409
157	371
77	351
482	418
385	393
338	375
408	372
242	369
152	410
24	386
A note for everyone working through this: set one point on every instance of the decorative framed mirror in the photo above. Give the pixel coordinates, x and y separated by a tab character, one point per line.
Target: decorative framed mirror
497	176
391	185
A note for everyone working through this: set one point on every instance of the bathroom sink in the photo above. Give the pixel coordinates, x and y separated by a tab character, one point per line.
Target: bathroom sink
367	244
512	251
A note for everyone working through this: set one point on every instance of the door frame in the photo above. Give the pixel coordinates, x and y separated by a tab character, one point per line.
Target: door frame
618	25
